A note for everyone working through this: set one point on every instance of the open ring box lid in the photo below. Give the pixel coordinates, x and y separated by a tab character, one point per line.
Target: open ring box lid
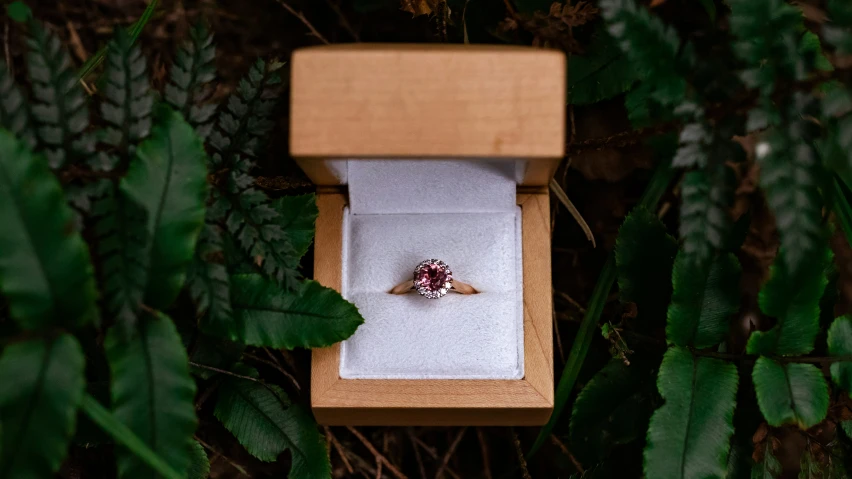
443	152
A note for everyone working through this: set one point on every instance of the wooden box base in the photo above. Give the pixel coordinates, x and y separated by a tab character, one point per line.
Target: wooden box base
528	401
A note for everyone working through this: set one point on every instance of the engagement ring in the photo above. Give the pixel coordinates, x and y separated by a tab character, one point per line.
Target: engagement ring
433	279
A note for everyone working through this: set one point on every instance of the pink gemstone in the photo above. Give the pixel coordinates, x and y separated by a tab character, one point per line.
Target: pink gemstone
431	276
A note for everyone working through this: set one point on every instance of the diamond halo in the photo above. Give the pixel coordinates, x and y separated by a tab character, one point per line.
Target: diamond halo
433	278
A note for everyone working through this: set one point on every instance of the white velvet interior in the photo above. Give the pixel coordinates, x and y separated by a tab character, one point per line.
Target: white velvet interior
463	212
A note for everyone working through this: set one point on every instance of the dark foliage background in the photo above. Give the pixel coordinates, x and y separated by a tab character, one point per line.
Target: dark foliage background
605	172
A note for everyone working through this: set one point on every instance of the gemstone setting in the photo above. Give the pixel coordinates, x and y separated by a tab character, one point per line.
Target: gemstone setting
433	278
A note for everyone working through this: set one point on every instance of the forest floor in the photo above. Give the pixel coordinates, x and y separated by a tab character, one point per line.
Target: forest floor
604	175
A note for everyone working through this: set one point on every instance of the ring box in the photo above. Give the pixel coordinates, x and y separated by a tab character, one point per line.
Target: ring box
445	152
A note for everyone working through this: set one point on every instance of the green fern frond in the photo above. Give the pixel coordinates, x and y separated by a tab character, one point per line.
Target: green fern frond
768	41
246	118
14	111
193	70
789	175
704	220
249	217
652	47
127	101
122	248
59	107
207	277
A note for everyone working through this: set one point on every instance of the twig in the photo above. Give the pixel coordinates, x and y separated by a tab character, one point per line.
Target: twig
510	8
433	454
780	359
339	448
567	452
218	454
450	453
379	457
6	52
305	21
558	338
563	198
521	459
571	300
343	20
417	456
275	364
248	378
486	461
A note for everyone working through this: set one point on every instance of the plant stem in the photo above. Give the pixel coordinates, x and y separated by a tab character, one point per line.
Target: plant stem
118	431
135	30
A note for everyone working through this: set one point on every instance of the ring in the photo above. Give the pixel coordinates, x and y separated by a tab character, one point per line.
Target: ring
433	279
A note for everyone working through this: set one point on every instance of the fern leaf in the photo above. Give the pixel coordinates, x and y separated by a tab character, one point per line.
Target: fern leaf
264	315
46	274
168	179
59	106
298	215
840	344
192	71
704	220
207	277
43	383
793	300
128	100
14	111
651	46
199	466
644	255
789	172
703	300
266	423
768	42
246	118
252	220
768	467
122	247
690	434
612	409
602	72
790	393
152	394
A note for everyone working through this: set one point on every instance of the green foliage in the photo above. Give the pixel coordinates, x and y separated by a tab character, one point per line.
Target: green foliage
266	423
602	72
152	393
124	436
168	180
207	277
793	300
790	177
704	221
264	315
689	435
297	217
840	344
790	393
193	70
703	300
43	384
837	32
45	270
653	48
199	465
768	467
14	114
19	11
612	409
768	41
645	253
128	99
59	111
813	468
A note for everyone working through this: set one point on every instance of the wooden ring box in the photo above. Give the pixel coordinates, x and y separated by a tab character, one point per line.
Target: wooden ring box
360	103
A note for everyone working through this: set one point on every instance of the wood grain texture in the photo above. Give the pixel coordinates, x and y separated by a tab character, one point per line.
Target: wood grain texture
528	401
427	101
